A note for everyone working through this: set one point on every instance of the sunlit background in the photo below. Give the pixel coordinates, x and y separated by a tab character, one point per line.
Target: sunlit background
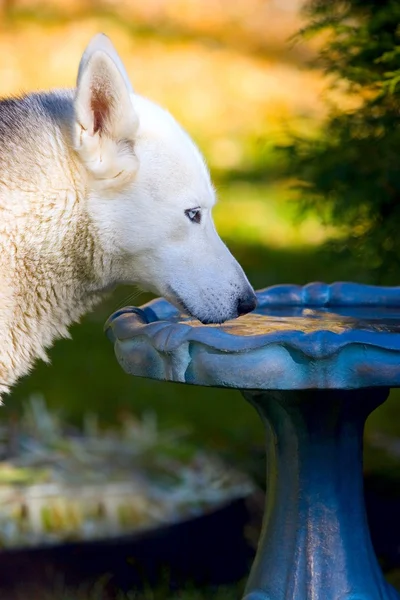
235	78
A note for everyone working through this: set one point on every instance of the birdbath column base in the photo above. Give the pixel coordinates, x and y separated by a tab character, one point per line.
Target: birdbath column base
315	542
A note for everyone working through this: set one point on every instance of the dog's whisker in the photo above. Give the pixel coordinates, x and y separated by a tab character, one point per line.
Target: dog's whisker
129	298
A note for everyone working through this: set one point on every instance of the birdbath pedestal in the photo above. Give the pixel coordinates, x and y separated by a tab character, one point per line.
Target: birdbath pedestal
314	361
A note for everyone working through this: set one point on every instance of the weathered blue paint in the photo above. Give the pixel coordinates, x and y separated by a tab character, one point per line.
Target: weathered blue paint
315	542
314	362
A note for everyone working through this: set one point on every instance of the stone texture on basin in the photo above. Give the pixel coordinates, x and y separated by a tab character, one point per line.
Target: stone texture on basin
316	336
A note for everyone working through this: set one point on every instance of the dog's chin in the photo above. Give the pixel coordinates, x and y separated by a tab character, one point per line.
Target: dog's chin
176	301
206	320
181	305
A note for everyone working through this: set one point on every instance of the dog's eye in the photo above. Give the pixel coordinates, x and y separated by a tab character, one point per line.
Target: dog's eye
193	214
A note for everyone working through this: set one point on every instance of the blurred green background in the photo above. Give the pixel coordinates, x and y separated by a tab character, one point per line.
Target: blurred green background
230	74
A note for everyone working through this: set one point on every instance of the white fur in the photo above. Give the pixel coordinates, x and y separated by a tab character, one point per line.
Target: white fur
94	185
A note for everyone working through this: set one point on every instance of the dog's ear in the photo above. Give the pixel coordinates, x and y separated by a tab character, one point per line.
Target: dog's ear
105	120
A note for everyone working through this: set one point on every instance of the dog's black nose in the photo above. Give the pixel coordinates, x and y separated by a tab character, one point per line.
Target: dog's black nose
246	304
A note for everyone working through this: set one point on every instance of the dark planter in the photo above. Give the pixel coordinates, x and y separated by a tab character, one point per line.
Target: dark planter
210	550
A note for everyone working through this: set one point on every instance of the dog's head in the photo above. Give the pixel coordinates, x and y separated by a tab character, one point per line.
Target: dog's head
150	195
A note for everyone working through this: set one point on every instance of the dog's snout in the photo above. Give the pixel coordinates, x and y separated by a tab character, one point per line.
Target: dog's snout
246	303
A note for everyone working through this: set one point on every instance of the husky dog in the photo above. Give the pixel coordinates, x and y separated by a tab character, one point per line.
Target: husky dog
98	187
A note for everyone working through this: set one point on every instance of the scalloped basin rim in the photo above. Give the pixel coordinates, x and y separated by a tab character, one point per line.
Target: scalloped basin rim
162	323
340	293
341	336
167	336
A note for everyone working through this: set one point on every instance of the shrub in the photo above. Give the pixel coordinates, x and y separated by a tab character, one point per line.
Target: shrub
350	173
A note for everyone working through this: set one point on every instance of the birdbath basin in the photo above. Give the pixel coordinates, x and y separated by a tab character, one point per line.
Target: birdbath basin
314	361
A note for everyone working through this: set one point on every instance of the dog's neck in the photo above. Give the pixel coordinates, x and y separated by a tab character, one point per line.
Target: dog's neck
52	270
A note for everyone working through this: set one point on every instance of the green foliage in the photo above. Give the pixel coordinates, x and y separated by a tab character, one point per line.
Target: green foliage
350	174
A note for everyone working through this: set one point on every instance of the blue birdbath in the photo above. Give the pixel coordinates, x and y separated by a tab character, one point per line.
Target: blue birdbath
314	361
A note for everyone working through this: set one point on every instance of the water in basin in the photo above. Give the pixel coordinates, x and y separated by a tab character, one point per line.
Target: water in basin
335	319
